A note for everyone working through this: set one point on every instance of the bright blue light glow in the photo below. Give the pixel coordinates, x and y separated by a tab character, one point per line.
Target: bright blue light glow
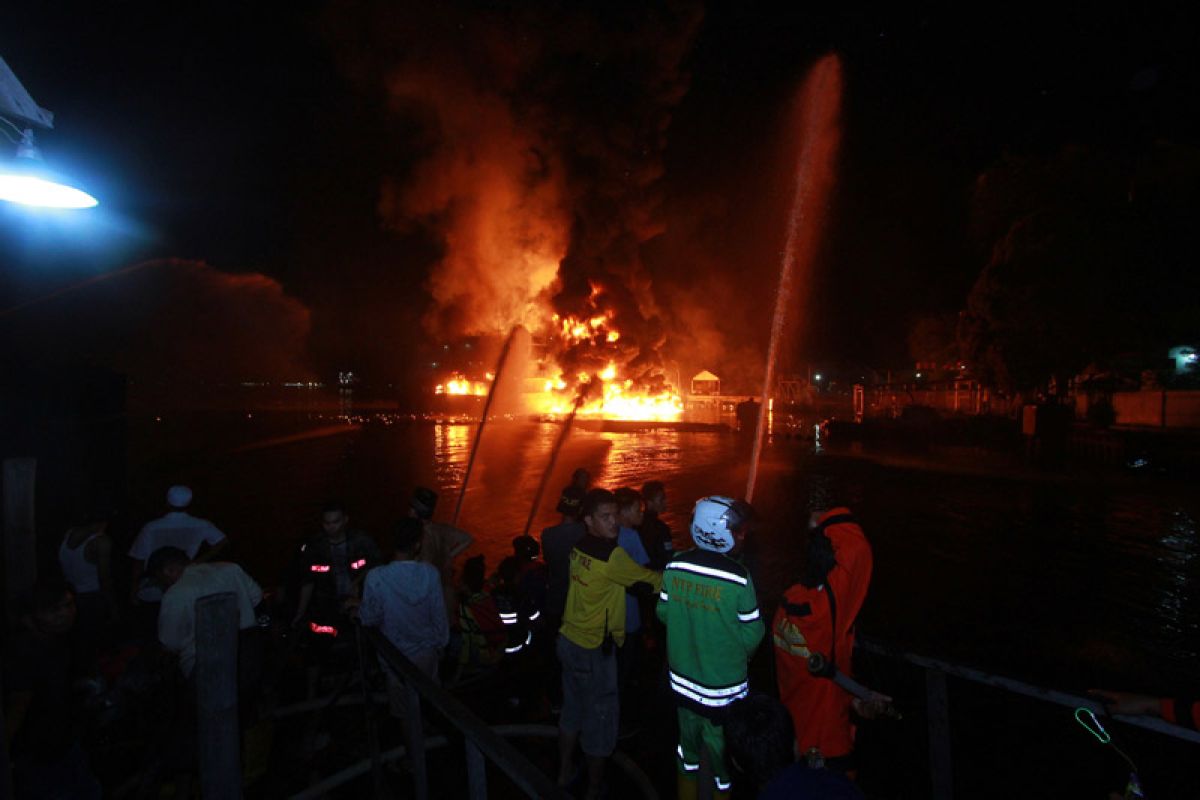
30	190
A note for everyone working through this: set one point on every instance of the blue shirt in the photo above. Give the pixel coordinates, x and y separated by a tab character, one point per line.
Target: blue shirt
629	541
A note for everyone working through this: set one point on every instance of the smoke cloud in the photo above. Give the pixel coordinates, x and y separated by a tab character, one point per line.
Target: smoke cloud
173	325
543	130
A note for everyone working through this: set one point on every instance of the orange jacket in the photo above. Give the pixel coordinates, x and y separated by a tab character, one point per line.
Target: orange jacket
808	622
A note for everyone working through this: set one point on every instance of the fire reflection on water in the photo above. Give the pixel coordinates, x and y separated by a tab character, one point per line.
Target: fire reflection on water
452	448
1081	573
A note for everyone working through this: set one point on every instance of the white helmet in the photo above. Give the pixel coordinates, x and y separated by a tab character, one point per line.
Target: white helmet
715	520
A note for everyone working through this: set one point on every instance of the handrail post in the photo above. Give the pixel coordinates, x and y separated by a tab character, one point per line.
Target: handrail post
20	537
369	718
476	772
937	703
415	734
217	696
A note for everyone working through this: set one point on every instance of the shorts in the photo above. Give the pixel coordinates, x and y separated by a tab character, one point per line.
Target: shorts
591	705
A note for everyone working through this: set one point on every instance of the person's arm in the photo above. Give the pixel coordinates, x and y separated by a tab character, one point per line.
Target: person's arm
370	610
460	540
99	553
253	590
438	618
137	552
306	593
660	608
212	546
750	624
623	570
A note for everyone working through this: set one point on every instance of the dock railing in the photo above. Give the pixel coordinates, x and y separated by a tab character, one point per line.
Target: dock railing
481	743
937	701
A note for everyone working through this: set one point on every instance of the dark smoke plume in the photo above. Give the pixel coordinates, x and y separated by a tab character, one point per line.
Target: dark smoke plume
172	326
542	133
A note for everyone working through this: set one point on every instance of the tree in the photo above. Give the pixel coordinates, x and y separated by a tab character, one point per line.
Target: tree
1087	258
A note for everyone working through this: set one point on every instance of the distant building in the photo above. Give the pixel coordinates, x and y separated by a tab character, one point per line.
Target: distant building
705	403
704	382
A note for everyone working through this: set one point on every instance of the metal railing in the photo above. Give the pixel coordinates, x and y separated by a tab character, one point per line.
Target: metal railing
482	743
937	700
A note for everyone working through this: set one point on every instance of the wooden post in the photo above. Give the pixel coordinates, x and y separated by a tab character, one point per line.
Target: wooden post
217	696
937	702
380	791
6	789
476	772
20	534
416	740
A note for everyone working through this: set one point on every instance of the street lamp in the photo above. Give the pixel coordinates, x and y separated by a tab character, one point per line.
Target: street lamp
24	178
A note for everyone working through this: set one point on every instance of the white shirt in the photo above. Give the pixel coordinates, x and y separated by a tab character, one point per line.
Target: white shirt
177	617
175	529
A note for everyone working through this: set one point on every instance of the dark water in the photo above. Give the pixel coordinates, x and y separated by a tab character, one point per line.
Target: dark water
1066	580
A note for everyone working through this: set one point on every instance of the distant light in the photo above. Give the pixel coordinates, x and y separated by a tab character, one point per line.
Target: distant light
817	377
918	374
1191	358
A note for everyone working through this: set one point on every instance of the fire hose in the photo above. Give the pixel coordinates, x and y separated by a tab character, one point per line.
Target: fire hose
821	667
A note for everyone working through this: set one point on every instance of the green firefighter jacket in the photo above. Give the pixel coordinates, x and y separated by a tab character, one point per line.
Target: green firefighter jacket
709	607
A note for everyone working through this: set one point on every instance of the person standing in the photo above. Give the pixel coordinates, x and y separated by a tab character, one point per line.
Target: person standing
184	582
817	615
713	624
440	544
404	600
656	536
85	556
557	543
333	565
629	516
41	718
593	627
177	528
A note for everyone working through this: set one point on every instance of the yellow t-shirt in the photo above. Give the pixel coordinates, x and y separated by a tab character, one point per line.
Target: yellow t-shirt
600	572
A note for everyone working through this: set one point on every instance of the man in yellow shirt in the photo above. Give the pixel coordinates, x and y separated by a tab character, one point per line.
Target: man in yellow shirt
593	628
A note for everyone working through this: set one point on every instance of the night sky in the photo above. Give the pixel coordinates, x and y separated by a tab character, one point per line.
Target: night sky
258	139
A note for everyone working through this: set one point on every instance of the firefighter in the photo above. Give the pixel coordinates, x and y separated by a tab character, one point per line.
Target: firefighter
332	567
817	616
713	625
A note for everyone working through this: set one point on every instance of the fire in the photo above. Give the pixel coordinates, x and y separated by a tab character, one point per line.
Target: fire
591	342
617	400
609	394
458	384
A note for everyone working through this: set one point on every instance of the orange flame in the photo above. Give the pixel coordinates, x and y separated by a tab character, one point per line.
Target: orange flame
459	385
609	393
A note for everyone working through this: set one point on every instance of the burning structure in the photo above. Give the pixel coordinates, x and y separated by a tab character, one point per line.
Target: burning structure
541	192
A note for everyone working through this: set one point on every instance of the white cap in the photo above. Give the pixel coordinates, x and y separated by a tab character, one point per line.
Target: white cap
179	497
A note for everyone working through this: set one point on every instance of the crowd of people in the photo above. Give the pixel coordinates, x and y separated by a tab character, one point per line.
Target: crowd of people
603	610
